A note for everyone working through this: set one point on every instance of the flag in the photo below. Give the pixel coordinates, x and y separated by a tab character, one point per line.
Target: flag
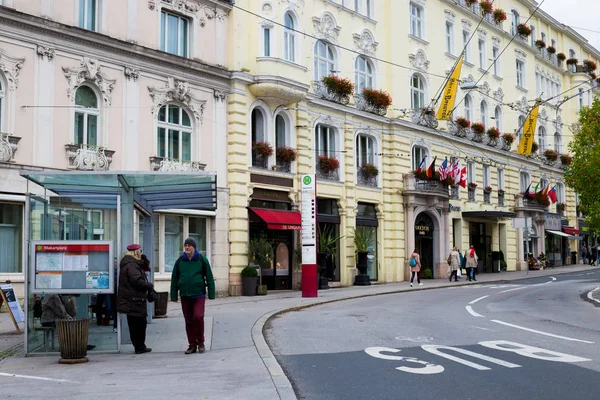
535	190
463	177
552	195
449	94
526	192
443	170
546	190
528	132
431	169
456	172
421	164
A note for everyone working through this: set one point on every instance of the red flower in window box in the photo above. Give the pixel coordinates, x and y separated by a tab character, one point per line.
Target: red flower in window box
509	138
286	154
487	189
377	98
501	191
551	155
262	149
499	15
328	164
342	87
369	170
561	57
478	128
589	65
540	44
523	30
472	185
462	122
486	7
493	133
566	159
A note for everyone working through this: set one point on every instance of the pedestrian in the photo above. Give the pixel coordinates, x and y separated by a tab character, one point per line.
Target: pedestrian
453	264
471	256
584	254
594	256
191	275
463	261
415	267
58	306
131	296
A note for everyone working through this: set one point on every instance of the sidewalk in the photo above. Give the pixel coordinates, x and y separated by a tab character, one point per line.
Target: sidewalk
239	364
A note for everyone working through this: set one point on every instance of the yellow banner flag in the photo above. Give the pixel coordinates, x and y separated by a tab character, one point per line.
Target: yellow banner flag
528	132
449	94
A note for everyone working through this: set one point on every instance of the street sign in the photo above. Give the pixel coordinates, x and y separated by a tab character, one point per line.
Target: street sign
309	235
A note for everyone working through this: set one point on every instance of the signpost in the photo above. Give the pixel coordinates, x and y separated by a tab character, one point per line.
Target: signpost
13	305
524	222
309	236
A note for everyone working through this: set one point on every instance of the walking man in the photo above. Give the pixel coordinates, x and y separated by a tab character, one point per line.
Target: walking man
191	275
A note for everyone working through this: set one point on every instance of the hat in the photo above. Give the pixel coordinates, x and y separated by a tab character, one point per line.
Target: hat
134	246
191	242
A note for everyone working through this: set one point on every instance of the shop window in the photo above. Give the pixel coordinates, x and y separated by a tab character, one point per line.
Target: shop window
11	237
366	219
86	116
197	231
174	138
173	240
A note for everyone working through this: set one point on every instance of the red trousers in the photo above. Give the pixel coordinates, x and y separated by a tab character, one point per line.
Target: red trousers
193	312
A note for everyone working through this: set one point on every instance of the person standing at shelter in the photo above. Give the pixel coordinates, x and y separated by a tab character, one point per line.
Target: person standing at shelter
191	275
132	294
415	267
471	263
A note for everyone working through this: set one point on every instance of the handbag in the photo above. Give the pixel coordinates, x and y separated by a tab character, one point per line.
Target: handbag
151	296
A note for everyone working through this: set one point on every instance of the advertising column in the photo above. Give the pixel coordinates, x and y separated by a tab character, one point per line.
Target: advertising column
309	236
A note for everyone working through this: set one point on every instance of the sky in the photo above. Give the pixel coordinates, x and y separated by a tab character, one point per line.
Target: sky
576	14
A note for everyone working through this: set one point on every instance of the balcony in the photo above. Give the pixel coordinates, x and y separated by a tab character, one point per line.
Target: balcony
501	199
174	165
487	195
84	157
324	93
425	117
471	192
523	203
363	105
283	166
8	147
366	179
328	174
413	185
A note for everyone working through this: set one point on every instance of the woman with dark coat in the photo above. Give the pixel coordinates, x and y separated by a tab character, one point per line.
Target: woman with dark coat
133	289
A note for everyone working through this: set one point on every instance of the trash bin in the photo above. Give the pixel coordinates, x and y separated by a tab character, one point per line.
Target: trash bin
160	305
495	261
73	340
573	257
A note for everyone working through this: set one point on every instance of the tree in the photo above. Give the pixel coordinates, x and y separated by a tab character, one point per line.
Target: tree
583	175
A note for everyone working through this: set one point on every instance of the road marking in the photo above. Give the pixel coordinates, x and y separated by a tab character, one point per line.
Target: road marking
481	298
41	378
429	368
510	290
540	332
590	273
435	349
553	278
473	313
532	352
589	295
417	339
482	328
545	283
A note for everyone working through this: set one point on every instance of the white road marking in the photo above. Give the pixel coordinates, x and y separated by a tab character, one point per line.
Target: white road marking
540	332
473	313
589	295
590	273
553	278
532	352
41	378
482	328
542	284
579	275
481	298
429	368
510	290
417	339
435	349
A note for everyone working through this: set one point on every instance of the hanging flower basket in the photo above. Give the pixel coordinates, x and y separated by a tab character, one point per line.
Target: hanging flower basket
499	15
377	98
493	133
540	44
508	138
286	154
561	57
486	7
566	159
262	149
341	87
589	65
478	128
523	30
328	164
462	123
369	170
534	147
572	61
551	155
551	50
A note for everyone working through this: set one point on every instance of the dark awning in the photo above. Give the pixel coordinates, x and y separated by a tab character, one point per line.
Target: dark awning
570	231
489	214
279	220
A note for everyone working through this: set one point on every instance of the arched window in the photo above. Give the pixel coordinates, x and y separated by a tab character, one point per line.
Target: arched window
363	74
560	192
324	63
542	139
174	133
572	67
280	132
484	113
468	107
365	150
86	116
532	36
418	155
524	180
515	22
259	128
521	124
289	38
498	118
557	142
417	92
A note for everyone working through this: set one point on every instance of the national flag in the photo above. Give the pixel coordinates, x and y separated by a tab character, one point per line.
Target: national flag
456	172
552	195
421	164
449	94
526	192
535	190
528	132
463	177
546	190
443	170
431	169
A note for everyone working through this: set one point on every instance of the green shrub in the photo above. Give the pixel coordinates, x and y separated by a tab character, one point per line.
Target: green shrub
427	274
249	272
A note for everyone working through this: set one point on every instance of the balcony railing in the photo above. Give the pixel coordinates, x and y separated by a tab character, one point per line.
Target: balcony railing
173	165
471	193
487	195
88	158
331	175
501	199
425	187
454	192
366	180
533	203
260	162
364	105
324	93
283	166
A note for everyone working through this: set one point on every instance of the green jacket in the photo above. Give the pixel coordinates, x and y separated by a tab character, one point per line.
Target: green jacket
191	277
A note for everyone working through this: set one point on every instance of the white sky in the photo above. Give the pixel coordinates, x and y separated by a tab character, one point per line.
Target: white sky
576	14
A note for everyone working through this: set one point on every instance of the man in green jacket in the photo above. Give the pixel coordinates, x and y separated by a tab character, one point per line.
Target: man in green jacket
191	275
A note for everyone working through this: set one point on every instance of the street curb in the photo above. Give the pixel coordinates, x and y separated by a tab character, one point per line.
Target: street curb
596	299
282	384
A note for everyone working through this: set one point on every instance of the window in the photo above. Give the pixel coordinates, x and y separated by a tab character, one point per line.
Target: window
416	21
418	154
325	140
543	37
368	6
557	142
520	65
465	36
468	107
560	192
280	132
449	38
197	231
174	34
500	178
471	172
524	181
484	113
324	60
521	123
267	42
11	237
481	47
514	22
259	129
487	179
365	153
572	67
173	240
289	39
86	116
357	5
498	118
174	133
417	92
88	14
363	74
532	36
495	55
581	101
542	139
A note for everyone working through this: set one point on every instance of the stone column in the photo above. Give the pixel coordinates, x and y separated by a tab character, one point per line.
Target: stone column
409	234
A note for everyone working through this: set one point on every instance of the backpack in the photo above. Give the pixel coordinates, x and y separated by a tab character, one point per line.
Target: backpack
413	262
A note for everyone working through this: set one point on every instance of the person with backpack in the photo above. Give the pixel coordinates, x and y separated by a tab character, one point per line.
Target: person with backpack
415	267
471	256
190	278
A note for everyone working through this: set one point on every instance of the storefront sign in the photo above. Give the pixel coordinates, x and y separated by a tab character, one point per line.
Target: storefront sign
13	305
552	222
423	230
452	207
270	195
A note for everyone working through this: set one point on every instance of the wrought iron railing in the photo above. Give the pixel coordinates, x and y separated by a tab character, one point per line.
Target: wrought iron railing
332	175
366	180
323	92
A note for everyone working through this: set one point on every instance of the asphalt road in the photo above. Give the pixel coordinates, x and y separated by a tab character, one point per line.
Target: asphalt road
531	339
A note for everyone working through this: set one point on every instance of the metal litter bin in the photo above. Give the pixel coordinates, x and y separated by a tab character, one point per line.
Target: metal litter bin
160	305
73	340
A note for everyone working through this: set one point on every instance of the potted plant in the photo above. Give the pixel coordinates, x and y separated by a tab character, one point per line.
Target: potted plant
561	57
501	191
262	149
487	189
566	159
561	207
499	15
593	75
342	87
589	65
260	252
551	155
493	133
551	49
572	61
249	281
363	236
327	248
472	185
508	138
286	154
486	7
469	3
540	44
523	30
478	128
369	170
462	122
328	163
379	99
534	147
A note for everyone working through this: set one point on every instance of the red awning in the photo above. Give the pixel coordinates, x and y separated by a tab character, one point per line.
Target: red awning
280	220
570	231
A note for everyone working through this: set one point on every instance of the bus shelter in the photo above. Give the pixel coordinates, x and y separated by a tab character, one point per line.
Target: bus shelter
77	232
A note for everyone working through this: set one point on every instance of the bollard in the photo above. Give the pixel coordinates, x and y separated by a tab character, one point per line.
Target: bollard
73	340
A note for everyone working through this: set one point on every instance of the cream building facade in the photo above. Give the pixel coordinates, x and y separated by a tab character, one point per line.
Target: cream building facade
281	49
119	86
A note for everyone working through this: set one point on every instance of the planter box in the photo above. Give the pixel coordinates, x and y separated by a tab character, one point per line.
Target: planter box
249	284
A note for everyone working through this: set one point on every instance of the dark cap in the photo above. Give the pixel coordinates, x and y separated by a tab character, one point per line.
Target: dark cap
134	246
190	242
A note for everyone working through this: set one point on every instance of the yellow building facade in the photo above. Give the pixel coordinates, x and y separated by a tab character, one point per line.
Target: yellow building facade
280	50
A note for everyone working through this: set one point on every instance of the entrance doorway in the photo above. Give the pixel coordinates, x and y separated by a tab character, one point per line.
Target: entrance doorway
424	230
482	242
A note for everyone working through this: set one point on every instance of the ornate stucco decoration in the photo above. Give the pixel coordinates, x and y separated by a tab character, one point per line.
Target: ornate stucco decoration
11	67
191	8
132	73
89	71
520	54
45	52
177	91
88	158
450	16
499	95
467	24
152	4
275	94
365	42
326	27
220	95
8	147
558	123
482	33
267	10
485	88
496	40
294	4
543	117
419	60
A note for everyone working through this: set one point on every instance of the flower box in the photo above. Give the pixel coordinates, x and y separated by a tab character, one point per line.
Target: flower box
523	30
487	188
462	122
472	185
509	138
341	87
493	133
377	98
262	149
486	7
469	3
499	15
478	128
328	164
566	159
572	61
551	49
540	44
286	154
551	155
561	57
501	191
589	65
369	170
